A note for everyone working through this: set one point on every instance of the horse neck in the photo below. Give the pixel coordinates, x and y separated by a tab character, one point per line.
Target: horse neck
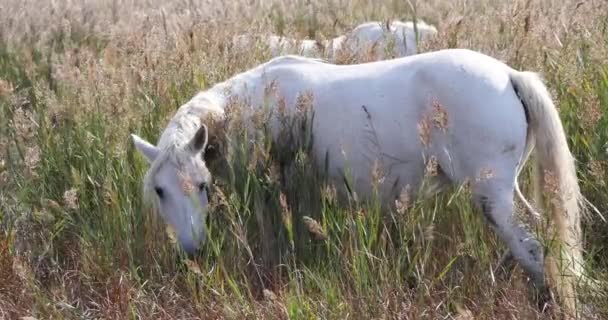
211	102
189	118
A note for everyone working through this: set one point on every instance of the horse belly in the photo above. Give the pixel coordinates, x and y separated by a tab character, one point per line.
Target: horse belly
367	144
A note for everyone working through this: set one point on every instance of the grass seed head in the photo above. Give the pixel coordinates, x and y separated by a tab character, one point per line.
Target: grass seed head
440	116
314	229
424	131
70	199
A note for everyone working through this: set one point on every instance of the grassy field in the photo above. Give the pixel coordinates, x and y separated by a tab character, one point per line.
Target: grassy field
77	242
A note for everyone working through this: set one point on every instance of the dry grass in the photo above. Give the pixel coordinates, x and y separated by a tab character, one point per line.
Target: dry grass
76	241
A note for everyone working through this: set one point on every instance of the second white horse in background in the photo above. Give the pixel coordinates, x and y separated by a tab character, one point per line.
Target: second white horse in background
368	41
379	41
279	46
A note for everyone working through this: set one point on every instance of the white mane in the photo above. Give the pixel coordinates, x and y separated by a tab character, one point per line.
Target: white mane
188	118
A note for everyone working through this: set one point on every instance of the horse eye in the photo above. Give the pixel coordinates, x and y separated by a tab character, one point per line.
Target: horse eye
202	186
159	191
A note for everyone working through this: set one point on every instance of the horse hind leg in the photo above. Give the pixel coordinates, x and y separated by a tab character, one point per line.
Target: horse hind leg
506	263
495	200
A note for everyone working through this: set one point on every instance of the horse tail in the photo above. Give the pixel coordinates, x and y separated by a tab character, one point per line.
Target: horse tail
555	174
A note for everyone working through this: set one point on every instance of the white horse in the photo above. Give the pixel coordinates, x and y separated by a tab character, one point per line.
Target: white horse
379	40
375	40
279	46
473	115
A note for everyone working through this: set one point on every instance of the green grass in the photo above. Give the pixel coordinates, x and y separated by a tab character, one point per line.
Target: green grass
77	94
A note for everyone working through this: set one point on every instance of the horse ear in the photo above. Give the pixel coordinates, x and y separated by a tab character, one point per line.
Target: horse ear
214	145
209	146
199	141
147	149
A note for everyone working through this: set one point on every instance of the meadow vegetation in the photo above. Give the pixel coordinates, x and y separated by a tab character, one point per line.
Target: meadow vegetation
77	241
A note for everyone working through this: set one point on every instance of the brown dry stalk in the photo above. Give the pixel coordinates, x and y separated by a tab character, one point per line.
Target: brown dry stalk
403	203
432	167
186	183
6	88
424	131
485	174
314	228
440	116
597	169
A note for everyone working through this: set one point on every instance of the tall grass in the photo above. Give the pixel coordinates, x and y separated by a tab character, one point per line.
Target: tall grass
77	241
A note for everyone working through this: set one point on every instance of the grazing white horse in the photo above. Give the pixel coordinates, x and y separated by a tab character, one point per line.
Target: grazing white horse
375	40
475	117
